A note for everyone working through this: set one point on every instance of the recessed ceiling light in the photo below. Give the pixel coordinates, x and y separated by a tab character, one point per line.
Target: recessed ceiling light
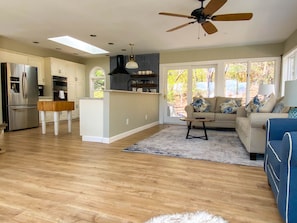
110	43
36	42
78	44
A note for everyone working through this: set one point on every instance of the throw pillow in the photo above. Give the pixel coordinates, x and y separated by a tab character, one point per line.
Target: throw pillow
267	104
230	106
280	106
254	105
200	105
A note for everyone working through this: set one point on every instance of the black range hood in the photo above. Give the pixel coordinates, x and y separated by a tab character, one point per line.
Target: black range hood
120	69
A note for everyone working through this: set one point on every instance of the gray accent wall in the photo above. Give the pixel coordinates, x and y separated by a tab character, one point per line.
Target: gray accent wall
145	62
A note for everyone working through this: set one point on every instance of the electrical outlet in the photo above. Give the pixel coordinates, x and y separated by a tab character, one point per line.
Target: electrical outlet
145	117
127	121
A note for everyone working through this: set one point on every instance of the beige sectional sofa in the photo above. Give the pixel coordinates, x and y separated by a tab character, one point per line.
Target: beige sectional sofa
250	126
213	110
248	123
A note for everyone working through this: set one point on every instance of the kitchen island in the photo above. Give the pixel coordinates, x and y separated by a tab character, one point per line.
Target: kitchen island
56	107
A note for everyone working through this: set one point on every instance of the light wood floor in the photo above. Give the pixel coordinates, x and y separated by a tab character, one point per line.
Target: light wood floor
60	179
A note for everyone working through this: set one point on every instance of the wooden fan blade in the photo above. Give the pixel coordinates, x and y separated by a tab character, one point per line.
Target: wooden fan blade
176	15
209	27
232	17
181	26
213	6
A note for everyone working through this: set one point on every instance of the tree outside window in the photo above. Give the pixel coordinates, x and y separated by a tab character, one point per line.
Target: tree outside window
243	79
97	83
203	82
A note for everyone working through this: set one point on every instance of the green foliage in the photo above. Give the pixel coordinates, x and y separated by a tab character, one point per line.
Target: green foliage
177	83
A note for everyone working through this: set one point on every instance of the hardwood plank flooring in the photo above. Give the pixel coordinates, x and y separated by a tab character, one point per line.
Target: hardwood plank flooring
60	179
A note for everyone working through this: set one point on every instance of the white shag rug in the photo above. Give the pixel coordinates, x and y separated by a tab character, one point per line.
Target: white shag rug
221	146
195	217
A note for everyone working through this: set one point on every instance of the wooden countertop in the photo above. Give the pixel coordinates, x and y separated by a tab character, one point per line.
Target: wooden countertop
55	105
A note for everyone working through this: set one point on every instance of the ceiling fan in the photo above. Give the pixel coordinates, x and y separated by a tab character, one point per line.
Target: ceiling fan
204	16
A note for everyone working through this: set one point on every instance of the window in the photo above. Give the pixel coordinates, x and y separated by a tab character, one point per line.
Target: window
203	81
97	83
186	82
177	87
290	66
242	79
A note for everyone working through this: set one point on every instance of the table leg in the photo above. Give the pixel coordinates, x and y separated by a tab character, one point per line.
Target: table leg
69	117
189	128
56	122
43	123
188	136
204	128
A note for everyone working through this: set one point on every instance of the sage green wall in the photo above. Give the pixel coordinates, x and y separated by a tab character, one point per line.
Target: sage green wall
290	43
254	51
122	105
92	63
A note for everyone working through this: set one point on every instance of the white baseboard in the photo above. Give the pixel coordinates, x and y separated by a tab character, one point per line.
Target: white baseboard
118	137
92	139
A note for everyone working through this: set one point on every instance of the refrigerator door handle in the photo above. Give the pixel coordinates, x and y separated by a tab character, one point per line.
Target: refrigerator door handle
24	85
23	108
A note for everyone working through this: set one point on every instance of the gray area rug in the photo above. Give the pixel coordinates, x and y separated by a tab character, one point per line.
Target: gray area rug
221	146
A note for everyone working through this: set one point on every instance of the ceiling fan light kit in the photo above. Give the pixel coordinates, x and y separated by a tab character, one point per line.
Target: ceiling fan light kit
132	63
204	16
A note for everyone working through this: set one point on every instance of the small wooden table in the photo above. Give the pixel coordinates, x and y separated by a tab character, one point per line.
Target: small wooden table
56	107
190	120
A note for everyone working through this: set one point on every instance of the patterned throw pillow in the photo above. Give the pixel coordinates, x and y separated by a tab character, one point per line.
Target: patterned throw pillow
230	106
200	105
254	105
268	103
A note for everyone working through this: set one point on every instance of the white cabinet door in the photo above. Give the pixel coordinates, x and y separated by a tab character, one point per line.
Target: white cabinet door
58	67
75	74
39	63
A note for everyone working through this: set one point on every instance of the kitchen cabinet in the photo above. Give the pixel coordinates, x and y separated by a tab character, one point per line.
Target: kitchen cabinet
39	63
147	82
18	58
75	74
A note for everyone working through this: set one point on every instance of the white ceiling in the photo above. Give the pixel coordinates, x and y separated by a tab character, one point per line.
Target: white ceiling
137	21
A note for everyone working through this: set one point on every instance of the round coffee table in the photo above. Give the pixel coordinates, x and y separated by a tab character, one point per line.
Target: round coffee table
191	120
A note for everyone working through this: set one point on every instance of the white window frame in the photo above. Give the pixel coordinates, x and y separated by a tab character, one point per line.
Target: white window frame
93	78
289	69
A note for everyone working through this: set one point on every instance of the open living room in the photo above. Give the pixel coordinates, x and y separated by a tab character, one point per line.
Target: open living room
186	113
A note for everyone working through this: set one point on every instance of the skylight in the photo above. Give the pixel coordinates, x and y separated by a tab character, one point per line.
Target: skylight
78	44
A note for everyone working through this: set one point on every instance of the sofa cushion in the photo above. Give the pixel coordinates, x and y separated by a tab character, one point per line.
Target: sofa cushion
210	101
280	106
225	117
257	105
230	106
268	104
200	105
221	100
253	105
208	115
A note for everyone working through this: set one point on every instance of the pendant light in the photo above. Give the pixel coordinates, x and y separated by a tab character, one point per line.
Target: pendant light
132	63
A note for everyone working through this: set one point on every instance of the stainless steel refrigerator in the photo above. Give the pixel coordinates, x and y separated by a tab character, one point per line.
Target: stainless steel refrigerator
19	84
